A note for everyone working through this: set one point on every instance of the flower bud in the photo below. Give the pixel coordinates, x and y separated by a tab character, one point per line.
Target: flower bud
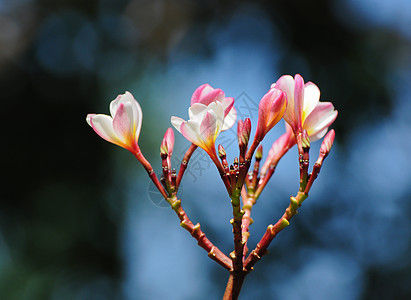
167	144
221	152
259	153
327	143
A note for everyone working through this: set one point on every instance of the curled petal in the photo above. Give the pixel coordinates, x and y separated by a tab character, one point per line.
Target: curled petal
229	119
271	109
205	94
286	84
227	105
320	118
103	126
197	111
298	100
176	122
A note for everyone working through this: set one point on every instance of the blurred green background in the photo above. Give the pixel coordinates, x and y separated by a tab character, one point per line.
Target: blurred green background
78	217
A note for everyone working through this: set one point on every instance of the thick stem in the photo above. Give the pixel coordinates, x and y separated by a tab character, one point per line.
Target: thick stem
234	284
237	255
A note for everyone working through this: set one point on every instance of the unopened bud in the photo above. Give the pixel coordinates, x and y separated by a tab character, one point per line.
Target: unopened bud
164	148
246	131
167	144
259	153
240	124
221	152
327	143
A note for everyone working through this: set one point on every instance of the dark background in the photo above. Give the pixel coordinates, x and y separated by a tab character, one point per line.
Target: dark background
78	219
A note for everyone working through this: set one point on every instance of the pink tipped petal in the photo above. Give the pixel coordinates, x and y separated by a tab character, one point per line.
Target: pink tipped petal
205	94
215	95
137	114
230	119
278	108
190	133
318	135
286	84
103	126
311	98
209	128
169	138
197	93
298	100
227	105
320	118
200	92
123	123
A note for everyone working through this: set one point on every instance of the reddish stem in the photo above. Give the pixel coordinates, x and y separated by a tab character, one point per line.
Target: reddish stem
184	163
196	232
234	284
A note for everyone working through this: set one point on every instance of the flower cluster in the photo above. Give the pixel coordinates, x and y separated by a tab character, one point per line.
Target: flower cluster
210	113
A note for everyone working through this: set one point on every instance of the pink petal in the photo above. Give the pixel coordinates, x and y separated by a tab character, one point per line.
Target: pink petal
169	139
298	100
227	105
195	98
135	110
124	125
278	108
205	94
286	84
320	118
209	129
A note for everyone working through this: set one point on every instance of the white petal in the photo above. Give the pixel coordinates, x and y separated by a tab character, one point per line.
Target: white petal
229	119
197	111
190	130
103	126
311	98
176	122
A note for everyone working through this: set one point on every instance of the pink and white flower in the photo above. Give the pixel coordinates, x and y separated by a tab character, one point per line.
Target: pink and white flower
205	94
123	126
304	110
205	124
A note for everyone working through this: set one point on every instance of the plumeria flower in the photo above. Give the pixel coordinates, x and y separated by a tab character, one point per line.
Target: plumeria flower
304	110
271	109
205	124
123	126
205	94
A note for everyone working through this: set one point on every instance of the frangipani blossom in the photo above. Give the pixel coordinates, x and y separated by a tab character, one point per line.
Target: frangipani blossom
123	126
205	124
271	109
304	110
205	94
